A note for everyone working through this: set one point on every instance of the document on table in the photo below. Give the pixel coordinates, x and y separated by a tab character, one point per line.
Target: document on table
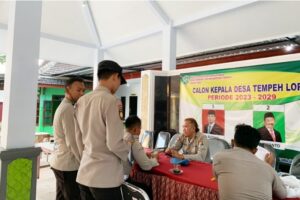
261	152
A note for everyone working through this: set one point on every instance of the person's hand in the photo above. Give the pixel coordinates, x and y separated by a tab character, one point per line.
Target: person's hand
154	154
269	158
149	154
168	151
157	158
175	154
129	143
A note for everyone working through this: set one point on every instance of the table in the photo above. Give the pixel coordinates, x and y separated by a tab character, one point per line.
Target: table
193	184
47	149
41	137
188	185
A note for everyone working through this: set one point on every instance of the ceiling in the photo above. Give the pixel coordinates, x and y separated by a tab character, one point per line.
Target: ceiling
131	32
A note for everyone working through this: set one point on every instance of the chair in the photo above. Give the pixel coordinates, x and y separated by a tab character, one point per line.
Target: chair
216	145
147	139
173	139
295	166
132	192
163	140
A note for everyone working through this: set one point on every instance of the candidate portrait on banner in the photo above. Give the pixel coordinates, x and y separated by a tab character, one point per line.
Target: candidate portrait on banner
213	124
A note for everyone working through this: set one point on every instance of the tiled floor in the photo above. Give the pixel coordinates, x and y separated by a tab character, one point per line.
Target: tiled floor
45	183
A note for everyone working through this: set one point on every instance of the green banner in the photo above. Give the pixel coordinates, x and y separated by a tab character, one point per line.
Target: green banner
264	96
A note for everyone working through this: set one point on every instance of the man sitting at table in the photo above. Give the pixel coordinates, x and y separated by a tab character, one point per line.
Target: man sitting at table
192	143
137	153
241	175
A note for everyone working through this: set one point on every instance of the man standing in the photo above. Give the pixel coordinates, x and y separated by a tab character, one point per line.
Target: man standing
268	132
241	175
65	161
212	127
99	133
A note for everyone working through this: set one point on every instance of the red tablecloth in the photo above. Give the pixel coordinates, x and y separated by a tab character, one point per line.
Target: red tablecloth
197	173
193	184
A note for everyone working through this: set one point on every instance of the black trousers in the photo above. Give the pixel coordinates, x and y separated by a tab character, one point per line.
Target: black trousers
90	193
66	186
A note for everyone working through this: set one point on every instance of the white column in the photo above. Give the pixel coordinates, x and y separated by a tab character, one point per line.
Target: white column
99	56
20	87
169	48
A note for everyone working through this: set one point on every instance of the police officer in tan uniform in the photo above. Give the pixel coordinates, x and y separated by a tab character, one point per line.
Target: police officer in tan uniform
137	154
64	161
99	132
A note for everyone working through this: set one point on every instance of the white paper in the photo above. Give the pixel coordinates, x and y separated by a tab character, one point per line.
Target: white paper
261	153
292	185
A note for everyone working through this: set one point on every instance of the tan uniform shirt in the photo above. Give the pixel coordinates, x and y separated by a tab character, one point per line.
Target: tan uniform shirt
194	149
242	176
138	154
99	134
63	157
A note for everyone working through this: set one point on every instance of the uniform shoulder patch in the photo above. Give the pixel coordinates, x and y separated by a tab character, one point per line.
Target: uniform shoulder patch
120	109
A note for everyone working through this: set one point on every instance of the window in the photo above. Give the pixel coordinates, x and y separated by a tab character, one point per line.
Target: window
50	107
47	113
37	111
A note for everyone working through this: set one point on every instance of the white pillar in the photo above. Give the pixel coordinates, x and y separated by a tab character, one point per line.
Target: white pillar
99	56
169	48
20	87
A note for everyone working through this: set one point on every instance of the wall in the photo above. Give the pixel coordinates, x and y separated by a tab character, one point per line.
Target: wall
1	95
287	151
1	105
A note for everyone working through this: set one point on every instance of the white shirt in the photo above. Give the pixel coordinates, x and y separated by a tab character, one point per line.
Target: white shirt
64	157
210	127
241	175
139	155
99	134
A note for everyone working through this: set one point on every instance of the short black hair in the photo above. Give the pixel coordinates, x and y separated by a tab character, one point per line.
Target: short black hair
211	112
104	74
269	114
246	136
106	68
132	121
72	80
